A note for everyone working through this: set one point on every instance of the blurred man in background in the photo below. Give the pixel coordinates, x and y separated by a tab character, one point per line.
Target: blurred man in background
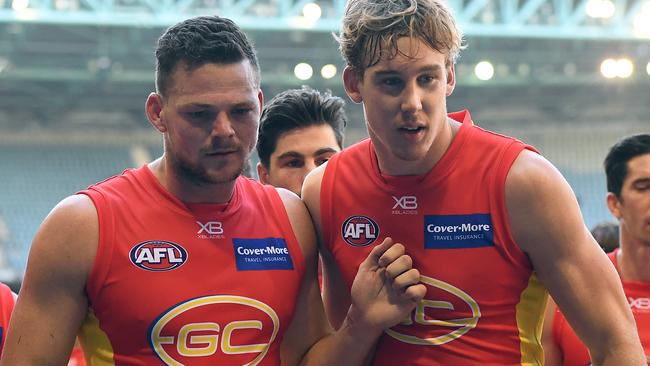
300	129
606	234
627	167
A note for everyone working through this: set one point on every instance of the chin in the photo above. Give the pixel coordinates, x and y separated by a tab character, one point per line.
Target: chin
216	175
224	175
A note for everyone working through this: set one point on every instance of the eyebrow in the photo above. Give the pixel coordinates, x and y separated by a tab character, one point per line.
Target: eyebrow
325	150
427	68
294	154
290	154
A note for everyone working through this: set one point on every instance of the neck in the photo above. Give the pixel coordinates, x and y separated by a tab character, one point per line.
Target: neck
633	259
187	190
390	164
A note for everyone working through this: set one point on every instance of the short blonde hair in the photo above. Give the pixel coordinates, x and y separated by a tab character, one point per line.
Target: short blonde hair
371	29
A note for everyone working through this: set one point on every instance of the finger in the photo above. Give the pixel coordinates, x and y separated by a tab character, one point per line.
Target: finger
415	292
406	279
391	254
379	250
398	266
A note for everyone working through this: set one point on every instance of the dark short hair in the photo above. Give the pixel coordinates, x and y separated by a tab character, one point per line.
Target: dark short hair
618	156
198	41
606	234
294	109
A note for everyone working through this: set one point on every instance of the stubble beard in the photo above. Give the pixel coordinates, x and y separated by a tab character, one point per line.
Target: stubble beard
199	176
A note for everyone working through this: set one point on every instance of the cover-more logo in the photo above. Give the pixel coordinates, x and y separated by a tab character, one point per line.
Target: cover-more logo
421	328
405	205
210	230
213	330
359	231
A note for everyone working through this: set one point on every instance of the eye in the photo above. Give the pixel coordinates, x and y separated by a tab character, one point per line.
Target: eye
643	185
242	111
391	81
197	115
294	163
426	79
323	159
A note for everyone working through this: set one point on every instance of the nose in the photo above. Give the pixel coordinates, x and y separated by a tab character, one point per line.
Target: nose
411	99
222	125
308	167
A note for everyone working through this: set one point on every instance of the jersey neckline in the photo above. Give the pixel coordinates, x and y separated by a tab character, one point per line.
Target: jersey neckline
440	170
192	209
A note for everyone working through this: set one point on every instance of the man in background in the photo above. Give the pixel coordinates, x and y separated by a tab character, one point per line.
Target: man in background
300	129
606	234
627	167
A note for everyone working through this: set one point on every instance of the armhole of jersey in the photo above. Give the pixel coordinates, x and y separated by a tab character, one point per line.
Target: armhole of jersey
104	254
507	158
557	328
8	300
285	225
326	194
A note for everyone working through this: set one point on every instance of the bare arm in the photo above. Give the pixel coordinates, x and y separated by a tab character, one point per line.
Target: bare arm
547	224
52	301
308	324
552	353
336	295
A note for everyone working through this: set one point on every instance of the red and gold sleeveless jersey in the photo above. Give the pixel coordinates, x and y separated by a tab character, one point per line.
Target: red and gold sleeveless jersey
575	353
189	284
7	301
484	305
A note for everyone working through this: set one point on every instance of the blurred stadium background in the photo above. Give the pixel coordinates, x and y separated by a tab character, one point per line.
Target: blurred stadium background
567	76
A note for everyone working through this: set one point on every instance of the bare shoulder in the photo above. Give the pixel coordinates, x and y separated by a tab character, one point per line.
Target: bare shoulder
69	234
537	195
311	185
311	194
300	220
529	172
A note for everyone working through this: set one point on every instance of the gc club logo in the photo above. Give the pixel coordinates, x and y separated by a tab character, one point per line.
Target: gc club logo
419	321
210	330
158	255
359	231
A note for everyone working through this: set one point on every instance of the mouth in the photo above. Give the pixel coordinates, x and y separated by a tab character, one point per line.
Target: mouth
411	129
220	152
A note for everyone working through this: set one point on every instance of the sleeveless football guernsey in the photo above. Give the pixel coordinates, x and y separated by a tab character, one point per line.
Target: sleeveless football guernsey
484	305
189	284
575	353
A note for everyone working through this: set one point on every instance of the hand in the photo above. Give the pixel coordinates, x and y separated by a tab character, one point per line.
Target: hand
386	288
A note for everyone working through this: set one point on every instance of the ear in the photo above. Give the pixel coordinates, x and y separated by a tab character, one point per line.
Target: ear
260	97
153	109
614	205
451	79
262	173
351	82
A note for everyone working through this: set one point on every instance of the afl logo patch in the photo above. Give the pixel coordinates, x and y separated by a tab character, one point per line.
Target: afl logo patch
359	231
158	255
